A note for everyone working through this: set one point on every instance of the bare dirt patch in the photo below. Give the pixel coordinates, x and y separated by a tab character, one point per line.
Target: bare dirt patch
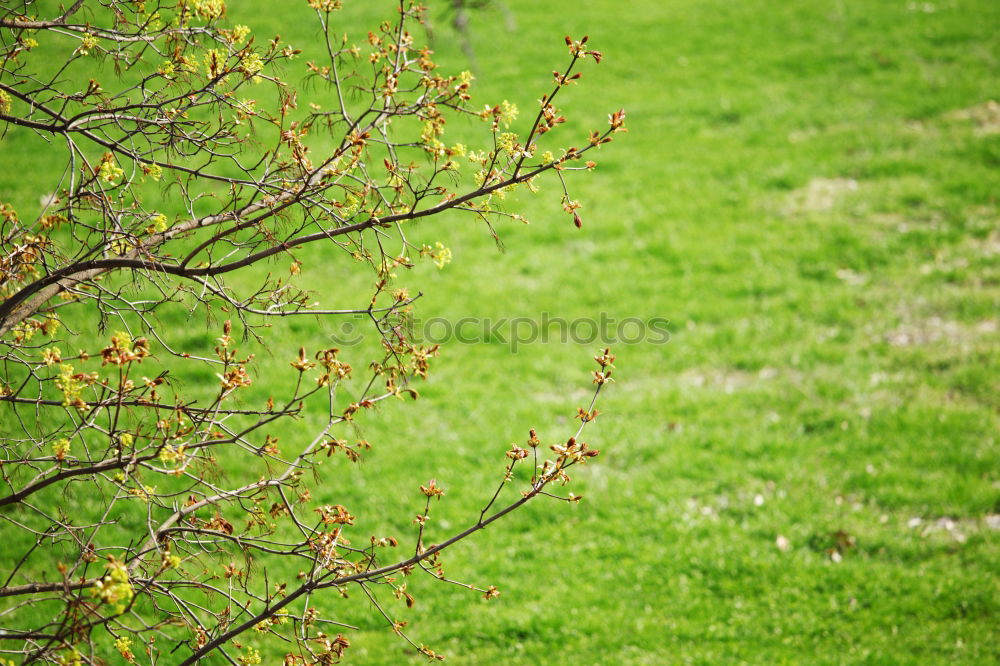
821	194
985	116
936	330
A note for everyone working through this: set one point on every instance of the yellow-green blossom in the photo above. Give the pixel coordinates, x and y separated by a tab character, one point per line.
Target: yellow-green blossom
124	646
507	142
51	325
209	9
439	254
154	171
508	113
325	5
215	63
60	448
250	65
114	589
169	455
88	43
69	384
109	171
250	658
73	658
142	492
121	341
51	356
239	33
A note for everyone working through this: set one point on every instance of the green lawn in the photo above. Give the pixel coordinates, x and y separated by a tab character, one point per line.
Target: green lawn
809	470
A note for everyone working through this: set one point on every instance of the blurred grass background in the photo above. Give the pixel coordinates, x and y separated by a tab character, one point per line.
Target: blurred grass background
808	472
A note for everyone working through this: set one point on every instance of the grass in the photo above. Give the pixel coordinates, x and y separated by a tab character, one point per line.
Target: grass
808	194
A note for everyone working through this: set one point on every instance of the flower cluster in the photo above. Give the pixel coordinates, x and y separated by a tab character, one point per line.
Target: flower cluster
115	588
